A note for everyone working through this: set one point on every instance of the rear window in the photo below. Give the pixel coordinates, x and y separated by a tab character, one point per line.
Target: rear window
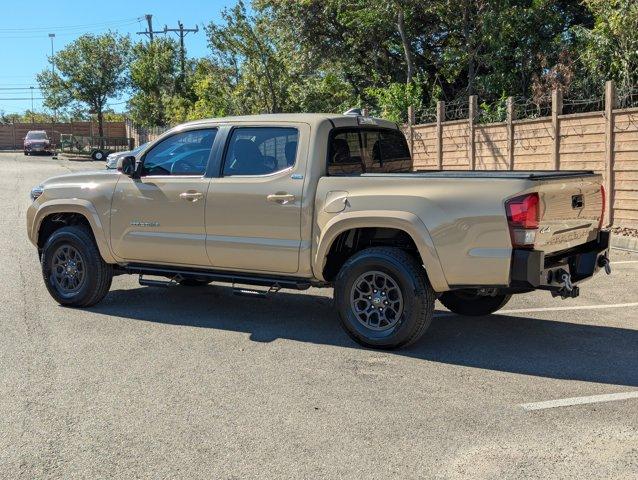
355	151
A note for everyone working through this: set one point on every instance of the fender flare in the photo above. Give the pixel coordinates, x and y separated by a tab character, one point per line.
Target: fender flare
405	221
81	207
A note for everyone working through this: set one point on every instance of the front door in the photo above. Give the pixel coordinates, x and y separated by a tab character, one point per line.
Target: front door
253	210
159	217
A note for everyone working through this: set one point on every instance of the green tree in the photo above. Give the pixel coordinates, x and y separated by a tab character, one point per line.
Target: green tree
609	50
244	46
90	71
154	72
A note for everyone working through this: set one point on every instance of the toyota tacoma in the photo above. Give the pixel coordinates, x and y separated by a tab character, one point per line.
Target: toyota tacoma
319	200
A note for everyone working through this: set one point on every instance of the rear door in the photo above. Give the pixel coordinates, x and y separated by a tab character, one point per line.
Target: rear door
253	211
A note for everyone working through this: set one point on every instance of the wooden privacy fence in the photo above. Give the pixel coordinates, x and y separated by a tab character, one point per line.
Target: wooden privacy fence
605	141
12	134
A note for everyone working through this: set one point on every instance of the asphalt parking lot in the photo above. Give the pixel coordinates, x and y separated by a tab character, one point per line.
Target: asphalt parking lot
200	383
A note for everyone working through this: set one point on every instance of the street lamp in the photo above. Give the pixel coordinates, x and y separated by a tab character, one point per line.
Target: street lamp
32	119
52	36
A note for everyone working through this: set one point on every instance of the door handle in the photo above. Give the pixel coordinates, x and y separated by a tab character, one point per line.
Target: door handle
191	196
281	198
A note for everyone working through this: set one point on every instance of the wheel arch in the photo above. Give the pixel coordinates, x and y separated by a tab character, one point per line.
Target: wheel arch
407	226
53	215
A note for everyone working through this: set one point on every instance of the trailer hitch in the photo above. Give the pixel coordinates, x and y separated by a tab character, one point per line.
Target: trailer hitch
568	289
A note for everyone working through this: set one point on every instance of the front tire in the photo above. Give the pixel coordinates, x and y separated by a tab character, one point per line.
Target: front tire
73	270
384	298
471	304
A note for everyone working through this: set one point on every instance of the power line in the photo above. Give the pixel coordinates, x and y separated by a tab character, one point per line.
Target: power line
70	27
65	34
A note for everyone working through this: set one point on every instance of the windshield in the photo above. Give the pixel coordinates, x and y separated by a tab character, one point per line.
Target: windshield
37	136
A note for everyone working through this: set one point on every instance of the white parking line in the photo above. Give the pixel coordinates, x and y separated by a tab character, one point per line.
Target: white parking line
624	261
567	402
554	309
575	307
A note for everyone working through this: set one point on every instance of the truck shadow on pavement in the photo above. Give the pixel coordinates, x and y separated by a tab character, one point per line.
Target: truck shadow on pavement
516	344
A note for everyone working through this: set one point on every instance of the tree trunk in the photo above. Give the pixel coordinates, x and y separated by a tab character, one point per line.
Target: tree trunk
100	125
406	45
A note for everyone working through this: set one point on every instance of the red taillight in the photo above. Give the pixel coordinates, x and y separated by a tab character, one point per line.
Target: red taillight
523	214
604	202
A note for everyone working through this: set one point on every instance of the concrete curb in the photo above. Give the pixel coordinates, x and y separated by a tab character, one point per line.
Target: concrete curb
625	243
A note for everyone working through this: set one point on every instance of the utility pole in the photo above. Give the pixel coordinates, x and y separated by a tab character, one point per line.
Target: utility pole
149	31
181	33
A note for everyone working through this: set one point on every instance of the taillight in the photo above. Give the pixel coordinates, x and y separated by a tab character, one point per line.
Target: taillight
523	214
604	202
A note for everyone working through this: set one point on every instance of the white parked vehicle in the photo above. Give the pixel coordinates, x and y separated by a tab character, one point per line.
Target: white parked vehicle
111	159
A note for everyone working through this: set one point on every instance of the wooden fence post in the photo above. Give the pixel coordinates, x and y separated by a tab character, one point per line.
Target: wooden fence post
411	121
473	111
440	118
610	104
510	132
13	129
557	109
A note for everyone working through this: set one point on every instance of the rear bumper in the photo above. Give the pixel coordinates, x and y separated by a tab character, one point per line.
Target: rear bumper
533	270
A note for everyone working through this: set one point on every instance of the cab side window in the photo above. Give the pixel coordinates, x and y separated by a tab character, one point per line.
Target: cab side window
260	150
185	153
354	151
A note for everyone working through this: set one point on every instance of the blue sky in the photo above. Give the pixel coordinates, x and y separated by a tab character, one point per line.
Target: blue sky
25	28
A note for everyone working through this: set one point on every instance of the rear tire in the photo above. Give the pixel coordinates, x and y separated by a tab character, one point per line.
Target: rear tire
471	304
400	304
73	270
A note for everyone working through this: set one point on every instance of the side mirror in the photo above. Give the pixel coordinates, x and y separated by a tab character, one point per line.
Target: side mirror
127	166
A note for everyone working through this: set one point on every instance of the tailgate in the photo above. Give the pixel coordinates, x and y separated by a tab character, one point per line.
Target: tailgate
570	211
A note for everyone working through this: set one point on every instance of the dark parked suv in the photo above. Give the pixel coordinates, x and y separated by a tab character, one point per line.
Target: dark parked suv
36	141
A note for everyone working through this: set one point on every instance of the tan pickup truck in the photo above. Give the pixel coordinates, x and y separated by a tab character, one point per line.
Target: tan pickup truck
301	200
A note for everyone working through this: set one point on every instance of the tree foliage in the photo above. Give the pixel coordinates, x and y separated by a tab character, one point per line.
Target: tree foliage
331	55
90	71
154	74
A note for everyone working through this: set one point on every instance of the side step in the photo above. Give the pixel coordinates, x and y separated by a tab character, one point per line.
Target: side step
147	282
274	283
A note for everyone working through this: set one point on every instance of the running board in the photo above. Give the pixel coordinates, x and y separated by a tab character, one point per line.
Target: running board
174	274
